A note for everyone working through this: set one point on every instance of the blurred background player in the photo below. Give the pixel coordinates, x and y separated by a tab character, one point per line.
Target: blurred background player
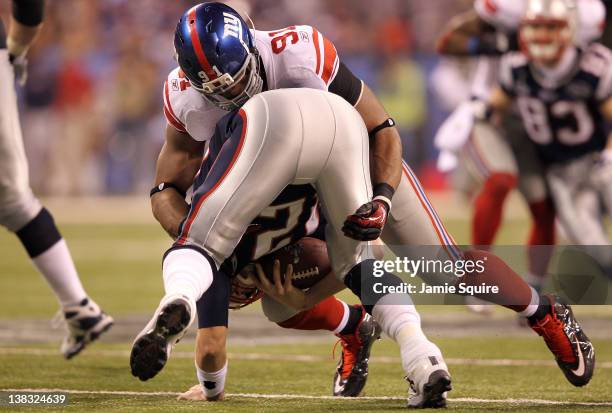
20	211
564	95
493	162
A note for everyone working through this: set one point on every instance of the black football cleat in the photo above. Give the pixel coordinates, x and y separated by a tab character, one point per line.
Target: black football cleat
352	370
565	338
153	345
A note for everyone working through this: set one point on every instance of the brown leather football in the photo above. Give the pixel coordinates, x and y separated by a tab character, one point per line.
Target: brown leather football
308	257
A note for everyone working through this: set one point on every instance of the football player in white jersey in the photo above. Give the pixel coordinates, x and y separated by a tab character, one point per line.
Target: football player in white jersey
298	56
493	163
211	79
20	211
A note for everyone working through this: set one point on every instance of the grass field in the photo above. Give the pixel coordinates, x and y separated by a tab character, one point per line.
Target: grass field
496	365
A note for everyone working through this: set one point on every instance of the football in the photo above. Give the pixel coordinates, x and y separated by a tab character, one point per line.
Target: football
308	257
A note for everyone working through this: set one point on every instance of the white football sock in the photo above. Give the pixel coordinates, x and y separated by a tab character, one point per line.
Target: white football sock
186	272
56	265
536	281
212	383
402	323
533	305
345	318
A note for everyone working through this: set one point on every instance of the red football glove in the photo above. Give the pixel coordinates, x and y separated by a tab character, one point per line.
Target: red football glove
367	223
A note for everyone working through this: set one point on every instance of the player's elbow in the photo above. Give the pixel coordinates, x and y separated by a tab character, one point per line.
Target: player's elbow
442	42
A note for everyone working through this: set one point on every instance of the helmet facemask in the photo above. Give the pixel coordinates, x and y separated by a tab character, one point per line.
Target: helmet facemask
231	92
547	31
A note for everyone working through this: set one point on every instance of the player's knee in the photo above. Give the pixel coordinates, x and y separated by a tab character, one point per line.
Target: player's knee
500	183
275	311
210	347
39	234
370	283
18	210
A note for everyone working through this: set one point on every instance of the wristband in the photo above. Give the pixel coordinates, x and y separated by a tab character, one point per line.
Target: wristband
481	110
388	123
166	185
384	192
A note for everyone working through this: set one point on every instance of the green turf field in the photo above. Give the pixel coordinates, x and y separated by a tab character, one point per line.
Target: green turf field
494	369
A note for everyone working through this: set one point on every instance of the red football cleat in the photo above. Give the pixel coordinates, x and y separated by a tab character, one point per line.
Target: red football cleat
352	370
564	337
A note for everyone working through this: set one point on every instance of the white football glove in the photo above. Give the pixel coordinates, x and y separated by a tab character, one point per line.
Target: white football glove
447	161
20	68
454	133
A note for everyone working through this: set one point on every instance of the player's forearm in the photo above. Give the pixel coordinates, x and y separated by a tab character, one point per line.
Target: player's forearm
327	287
460	35
609	143
178	167
169	209
386	145
454	44
20	37
499	102
386	158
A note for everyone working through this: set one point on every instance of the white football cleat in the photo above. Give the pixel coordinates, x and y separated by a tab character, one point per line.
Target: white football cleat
154	343
429	383
85	322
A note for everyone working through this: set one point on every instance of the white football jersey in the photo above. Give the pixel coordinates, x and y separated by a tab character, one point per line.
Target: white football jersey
293	57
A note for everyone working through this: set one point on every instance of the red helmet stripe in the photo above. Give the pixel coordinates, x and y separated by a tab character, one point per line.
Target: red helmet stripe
491	6
197	46
315	40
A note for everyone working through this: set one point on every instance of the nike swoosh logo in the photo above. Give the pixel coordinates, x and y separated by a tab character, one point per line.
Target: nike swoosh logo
581	367
338	387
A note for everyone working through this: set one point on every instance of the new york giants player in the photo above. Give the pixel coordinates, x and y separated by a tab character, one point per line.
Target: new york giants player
564	95
21	212
203	48
295	57
491	165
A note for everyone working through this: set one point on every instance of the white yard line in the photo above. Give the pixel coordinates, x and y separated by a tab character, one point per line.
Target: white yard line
312	397
298	357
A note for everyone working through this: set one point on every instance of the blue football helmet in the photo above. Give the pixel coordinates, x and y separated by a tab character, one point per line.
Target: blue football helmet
216	51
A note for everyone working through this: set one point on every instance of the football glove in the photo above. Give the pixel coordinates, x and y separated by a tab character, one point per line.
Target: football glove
20	68
367	223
